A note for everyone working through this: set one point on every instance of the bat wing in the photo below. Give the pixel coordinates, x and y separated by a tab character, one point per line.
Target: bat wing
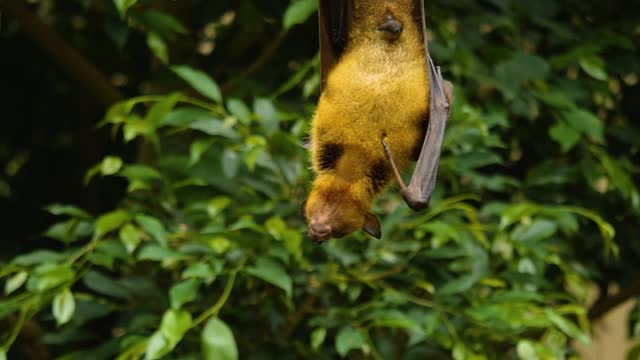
423	181
334	18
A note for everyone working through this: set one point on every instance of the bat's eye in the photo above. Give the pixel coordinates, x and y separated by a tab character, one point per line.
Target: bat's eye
391	29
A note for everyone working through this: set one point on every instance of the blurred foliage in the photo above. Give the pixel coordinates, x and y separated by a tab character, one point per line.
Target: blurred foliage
206	256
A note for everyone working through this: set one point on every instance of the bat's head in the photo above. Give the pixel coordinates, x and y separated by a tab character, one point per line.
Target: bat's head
336	214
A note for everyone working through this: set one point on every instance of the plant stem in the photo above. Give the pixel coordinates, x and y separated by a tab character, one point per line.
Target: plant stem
220	303
16	330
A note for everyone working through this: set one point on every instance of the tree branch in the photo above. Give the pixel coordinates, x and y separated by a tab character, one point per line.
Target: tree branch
294	319
259	62
608	303
64	54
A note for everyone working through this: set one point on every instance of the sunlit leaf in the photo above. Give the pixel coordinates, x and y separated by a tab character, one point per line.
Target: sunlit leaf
200	81
586	123
183	292
239	109
158	47
15	282
63	307
124	5
109	222
317	338
565	135
594	66
298	12
218	342
349	339
110	165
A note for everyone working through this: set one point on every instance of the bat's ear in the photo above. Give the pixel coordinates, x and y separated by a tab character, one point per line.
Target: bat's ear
372	226
302	210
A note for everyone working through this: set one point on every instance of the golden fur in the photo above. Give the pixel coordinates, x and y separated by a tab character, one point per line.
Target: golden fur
377	87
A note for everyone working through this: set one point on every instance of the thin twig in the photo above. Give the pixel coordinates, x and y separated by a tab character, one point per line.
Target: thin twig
259	62
64	54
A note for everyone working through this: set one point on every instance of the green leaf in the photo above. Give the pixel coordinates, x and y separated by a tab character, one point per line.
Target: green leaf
49	276
158	47
271	271
522	67
293	243
275	227
3	354
200	271
109	222
564	135
197	149
219	244
73	211
153	227
526	351
38	257
137	126
567	326
214	127
267	114
317	338
157	346
110	165
63	307
161	109
251	157
594	66
217	205
183	292
175	323
298	12
158	253
124	5
15	282
230	163
185	116
239	109
538	230
349	339
130	237
199	81
456	286
70	231
586	123
105	285
161	23
218	342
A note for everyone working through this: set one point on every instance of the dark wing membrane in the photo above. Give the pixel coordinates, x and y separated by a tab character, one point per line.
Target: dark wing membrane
334	32
423	180
420	19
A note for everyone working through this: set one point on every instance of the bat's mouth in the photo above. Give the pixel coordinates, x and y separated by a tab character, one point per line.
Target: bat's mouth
319	237
318	233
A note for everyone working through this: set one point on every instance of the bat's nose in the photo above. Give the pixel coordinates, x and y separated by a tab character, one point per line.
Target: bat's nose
319	231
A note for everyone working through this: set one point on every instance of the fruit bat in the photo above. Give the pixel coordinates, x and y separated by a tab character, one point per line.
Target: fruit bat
383	103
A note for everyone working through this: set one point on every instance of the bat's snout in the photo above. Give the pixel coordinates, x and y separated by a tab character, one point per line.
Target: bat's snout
319	232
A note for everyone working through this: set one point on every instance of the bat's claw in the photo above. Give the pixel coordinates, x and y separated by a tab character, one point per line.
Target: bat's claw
414	202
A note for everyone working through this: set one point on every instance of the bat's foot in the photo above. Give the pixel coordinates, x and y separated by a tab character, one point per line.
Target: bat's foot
413	200
394	168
